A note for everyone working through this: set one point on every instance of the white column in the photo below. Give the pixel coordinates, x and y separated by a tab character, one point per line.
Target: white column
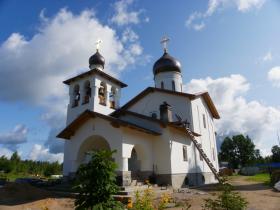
125	164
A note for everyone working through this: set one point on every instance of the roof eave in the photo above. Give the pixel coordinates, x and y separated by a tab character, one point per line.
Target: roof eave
95	71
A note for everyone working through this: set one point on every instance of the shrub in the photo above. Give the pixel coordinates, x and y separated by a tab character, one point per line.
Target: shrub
164	200
227	200
96	183
144	201
226	172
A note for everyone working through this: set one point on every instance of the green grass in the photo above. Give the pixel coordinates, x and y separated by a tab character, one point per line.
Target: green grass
14	176
264	178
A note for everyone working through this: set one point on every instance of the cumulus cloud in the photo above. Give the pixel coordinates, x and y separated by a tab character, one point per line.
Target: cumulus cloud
196	20
124	16
238	115
37	66
33	69
274	76
40	153
17	136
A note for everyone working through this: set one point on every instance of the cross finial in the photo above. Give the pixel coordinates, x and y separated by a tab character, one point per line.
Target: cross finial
97	43
164	41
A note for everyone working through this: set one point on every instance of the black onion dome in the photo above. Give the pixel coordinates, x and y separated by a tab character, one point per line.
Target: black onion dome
97	59
166	64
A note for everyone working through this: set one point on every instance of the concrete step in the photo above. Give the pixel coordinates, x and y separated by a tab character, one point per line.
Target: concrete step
133	183
139	183
123	192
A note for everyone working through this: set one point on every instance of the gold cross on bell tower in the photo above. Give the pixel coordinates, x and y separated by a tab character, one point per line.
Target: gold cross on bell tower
97	44
164	42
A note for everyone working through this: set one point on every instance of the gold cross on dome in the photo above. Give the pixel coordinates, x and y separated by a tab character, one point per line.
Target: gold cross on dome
164	42
97	43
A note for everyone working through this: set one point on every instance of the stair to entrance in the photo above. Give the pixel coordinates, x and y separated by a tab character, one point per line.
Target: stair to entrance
203	154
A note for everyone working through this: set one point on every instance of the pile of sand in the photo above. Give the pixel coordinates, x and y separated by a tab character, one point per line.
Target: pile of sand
21	192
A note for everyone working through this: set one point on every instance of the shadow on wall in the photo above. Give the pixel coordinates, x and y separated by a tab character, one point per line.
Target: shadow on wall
195	178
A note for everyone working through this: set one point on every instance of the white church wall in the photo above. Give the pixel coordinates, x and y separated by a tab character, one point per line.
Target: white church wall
177	142
167	78
207	138
151	102
143	144
162	153
98	127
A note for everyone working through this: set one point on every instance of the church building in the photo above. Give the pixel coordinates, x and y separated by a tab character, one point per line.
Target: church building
162	132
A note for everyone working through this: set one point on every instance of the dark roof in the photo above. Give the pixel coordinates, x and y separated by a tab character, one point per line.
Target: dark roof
70	130
92	72
166	63
148	90
145	117
97	59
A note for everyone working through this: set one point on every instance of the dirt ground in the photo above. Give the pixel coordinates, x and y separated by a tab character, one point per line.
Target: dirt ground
259	196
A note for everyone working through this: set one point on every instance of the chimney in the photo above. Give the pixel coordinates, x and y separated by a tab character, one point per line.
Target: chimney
165	112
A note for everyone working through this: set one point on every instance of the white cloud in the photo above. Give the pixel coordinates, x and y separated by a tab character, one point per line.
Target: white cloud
123	16
40	153
5	152
39	65
196	19
129	35
238	115
32	70
199	27
245	5
17	136
267	57
274	76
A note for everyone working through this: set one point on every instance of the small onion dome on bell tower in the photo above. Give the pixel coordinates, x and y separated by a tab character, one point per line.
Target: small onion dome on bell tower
166	63
97	61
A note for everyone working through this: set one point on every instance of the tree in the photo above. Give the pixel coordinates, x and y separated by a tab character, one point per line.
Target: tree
15	157
51	169
96	182
238	151
275	150
5	165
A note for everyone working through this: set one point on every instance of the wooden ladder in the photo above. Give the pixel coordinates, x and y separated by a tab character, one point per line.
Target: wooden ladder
204	156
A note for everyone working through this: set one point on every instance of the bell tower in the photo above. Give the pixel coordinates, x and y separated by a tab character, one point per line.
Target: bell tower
93	90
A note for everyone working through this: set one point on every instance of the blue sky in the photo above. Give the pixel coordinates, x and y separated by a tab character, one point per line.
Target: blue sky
228	47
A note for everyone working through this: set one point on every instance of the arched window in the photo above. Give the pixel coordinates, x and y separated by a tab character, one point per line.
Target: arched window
102	94
113	98
162	85
173	85
87	92
76	96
